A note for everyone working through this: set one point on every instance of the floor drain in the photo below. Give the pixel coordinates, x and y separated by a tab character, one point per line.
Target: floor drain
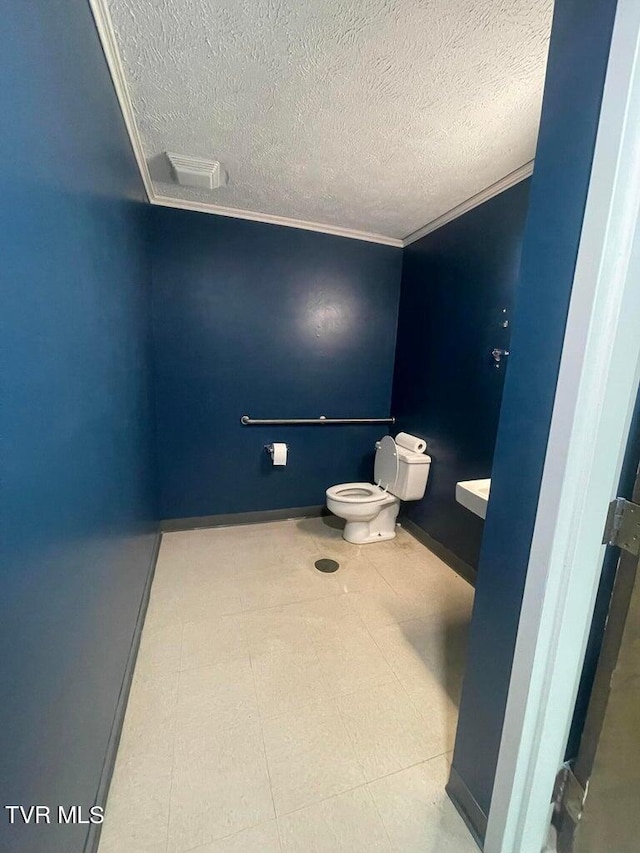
325	565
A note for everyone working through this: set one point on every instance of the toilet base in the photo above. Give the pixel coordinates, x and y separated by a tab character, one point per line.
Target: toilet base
354	533
379	529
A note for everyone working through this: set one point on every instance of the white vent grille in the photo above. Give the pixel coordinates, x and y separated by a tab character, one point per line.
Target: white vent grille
195	172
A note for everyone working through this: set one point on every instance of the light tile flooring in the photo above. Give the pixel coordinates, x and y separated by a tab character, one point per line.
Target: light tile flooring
276	708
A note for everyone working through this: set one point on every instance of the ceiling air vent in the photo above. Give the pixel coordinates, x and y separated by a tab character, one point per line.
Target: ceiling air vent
194	172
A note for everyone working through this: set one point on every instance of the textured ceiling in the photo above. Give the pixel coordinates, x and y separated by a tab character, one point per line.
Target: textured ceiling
373	115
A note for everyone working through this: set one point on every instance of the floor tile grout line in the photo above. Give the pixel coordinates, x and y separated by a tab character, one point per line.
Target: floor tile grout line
421	717
375	802
364	784
251	610
245	828
458	611
382	577
291	603
227	837
421	714
385	658
224	662
351	740
397	676
409	767
333	697
280	842
262	738
322	800
392	846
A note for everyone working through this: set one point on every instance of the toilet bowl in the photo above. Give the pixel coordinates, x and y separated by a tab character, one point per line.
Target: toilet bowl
371	509
370	512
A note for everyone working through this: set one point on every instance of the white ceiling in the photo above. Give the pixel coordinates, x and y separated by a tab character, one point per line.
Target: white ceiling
375	116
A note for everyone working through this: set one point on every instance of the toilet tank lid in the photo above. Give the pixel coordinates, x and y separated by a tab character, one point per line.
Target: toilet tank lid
411	457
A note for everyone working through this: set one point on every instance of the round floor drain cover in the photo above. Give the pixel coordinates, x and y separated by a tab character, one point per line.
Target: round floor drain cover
325	565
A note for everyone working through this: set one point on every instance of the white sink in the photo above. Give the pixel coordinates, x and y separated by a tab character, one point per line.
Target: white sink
474	495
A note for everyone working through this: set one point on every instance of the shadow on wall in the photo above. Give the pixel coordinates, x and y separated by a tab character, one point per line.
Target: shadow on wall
456	283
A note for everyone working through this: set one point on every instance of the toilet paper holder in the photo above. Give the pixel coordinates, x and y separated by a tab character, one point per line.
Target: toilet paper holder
279	452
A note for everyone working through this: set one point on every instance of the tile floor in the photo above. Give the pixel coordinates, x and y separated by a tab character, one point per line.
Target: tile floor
276	708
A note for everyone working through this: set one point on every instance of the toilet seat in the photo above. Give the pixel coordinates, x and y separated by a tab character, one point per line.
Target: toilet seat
357	493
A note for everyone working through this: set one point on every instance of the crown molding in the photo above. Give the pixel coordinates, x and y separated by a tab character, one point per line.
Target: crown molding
500	186
107	35
270	219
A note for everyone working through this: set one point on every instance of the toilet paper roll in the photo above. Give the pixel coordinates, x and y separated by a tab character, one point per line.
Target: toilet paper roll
279	453
411	442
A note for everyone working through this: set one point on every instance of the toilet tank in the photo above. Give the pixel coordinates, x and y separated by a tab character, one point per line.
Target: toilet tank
413	471
399	471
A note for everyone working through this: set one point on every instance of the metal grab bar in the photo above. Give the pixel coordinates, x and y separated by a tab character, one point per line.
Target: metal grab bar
247	421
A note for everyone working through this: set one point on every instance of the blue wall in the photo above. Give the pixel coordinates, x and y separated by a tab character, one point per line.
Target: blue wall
573	91
76	513
275	323
455	283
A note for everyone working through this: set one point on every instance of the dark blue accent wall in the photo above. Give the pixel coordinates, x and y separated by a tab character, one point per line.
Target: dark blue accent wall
573	91
271	322
76	507
455	284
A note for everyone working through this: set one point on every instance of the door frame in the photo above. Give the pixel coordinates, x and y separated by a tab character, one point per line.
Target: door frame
596	390
573	803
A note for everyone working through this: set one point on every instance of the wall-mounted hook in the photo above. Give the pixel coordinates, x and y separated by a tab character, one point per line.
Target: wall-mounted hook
498	354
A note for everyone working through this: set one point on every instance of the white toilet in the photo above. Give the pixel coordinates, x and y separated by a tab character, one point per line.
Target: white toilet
371	510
